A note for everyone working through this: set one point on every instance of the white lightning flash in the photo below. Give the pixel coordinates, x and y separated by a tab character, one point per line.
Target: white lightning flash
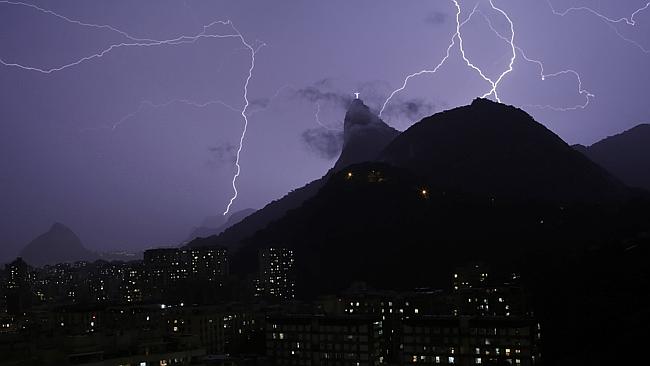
611	22
437	67
628	20
320	123
253	52
150	42
493	83
543	75
146	104
510	40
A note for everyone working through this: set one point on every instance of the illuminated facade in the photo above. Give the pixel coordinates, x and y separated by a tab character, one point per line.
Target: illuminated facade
169	270
465	341
325	340
276	276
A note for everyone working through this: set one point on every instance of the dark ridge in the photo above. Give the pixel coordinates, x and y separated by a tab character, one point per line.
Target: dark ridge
500	151
365	135
626	155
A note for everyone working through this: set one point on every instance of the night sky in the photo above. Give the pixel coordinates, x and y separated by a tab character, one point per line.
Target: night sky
133	149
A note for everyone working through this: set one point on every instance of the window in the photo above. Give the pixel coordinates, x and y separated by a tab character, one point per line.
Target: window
452	359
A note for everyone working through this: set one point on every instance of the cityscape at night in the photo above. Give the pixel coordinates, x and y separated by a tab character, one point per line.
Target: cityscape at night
334	183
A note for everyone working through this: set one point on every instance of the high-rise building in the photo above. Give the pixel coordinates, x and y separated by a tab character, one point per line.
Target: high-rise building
18	286
168	270
276	276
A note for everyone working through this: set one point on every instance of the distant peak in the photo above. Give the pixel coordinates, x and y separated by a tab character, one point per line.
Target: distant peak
57	226
484	102
359	114
357	102
364	135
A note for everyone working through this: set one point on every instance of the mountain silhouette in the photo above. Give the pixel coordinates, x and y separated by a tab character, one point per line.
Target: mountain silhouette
487	183
364	136
463	184
500	151
58	245
213	226
626	155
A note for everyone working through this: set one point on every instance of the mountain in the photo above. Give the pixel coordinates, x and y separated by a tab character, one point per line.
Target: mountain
626	155
491	149
364	136
59	244
484	181
208	228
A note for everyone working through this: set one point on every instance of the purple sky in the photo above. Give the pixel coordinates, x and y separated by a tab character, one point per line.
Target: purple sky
164	169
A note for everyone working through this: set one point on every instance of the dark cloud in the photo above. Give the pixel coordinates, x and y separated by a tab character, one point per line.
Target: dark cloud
222	154
260	103
317	94
323	142
410	109
435	18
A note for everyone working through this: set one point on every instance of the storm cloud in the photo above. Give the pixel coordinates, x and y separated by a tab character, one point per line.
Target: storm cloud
325	143
410	109
435	18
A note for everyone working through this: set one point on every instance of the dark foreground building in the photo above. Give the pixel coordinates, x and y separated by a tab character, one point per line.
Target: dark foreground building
325	340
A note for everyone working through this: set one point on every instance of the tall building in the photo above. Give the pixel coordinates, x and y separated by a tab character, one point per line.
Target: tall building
276	277
18	286
132	283
169	271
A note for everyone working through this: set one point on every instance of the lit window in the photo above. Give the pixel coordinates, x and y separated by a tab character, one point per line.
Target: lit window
452	359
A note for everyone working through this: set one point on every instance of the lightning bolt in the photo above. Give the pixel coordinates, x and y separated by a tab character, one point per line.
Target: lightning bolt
150	42
494	83
437	67
611	22
151	105
543	75
318	120
628	20
253	51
